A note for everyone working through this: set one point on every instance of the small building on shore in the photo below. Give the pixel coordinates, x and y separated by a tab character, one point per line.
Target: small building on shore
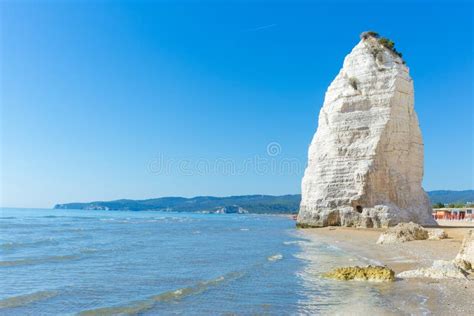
448	213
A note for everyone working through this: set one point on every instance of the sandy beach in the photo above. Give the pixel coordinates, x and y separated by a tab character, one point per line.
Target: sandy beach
441	297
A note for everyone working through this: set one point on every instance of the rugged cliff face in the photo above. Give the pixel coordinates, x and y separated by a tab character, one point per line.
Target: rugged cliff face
365	162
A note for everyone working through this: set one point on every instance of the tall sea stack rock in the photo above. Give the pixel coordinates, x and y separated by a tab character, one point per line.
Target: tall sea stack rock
365	162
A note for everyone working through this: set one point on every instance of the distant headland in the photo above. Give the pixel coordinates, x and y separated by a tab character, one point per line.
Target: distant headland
257	204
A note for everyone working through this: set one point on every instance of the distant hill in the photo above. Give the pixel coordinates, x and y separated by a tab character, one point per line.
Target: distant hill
283	204
446	196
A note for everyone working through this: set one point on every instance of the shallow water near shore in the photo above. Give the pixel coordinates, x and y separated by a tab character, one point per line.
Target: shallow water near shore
110	262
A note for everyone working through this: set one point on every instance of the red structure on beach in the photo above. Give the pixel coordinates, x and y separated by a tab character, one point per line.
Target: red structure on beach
453	213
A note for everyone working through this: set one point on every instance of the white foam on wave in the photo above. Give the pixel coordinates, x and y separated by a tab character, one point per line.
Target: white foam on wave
275	257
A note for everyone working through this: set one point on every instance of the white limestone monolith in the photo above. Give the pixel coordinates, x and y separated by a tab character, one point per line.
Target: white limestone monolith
365	162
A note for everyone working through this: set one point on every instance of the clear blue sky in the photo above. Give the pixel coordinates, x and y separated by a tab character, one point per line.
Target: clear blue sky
93	94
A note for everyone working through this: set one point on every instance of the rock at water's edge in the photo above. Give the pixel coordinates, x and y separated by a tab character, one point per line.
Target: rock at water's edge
365	162
369	273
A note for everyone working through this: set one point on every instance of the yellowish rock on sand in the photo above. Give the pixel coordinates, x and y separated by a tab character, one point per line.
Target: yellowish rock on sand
369	273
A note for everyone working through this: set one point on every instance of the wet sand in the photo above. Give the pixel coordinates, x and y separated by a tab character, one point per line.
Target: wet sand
440	297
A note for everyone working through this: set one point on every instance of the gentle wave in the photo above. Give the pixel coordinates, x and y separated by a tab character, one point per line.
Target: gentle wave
15	245
76	230
165	220
89	250
70	219
275	257
147	304
24	225
65	216
22	300
32	261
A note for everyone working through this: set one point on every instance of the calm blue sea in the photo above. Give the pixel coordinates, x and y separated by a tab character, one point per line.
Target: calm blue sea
71	262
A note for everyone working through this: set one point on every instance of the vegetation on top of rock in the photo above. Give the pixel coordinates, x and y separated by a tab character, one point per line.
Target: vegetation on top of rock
366	35
385	42
388	43
369	273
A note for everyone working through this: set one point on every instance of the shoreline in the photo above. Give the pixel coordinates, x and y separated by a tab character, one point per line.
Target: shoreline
438	296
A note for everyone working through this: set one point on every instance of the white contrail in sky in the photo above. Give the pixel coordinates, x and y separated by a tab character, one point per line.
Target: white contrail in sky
262	27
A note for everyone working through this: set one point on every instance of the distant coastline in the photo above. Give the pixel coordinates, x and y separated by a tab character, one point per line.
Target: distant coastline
257	204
